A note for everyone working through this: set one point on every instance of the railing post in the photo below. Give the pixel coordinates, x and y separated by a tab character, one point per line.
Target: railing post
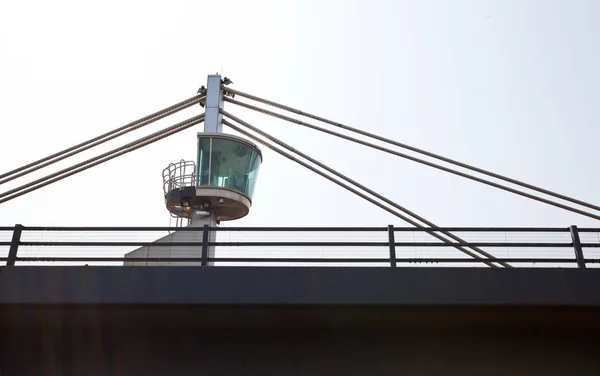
577	247
392	241
205	237
14	245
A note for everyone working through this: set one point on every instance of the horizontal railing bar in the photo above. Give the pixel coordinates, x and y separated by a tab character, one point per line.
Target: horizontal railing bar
399	260
301	229
199	244
307	229
296	259
307	244
483	229
4	243
195	259
249	229
125	228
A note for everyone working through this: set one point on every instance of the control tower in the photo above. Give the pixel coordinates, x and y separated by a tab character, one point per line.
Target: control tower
217	186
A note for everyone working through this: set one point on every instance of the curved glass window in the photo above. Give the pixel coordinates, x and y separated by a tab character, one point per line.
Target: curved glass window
227	163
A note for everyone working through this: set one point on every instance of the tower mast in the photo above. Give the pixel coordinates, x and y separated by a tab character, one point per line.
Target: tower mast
217	186
213	123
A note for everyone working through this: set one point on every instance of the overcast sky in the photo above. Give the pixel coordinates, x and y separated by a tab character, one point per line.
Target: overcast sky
510	86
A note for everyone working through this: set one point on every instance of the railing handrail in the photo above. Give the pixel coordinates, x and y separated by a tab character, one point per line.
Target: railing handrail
302	244
576	244
433	260
301	229
176	175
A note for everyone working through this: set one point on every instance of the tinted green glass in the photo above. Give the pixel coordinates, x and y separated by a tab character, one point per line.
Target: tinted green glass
253	173
228	164
203	161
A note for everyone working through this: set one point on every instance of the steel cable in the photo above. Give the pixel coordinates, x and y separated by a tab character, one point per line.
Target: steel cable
414	159
356	192
101	158
412	148
56	157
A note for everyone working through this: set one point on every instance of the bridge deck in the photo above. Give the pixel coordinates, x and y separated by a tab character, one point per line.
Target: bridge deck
179	320
326	295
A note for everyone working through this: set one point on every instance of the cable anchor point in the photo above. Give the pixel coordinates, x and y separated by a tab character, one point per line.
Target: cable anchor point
224	82
202	91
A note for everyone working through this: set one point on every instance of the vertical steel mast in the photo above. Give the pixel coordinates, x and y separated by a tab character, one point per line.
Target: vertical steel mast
213	122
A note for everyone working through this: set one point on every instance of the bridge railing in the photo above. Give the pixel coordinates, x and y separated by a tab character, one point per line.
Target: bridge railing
305	246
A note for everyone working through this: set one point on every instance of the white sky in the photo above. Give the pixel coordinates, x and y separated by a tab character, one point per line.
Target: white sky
510	86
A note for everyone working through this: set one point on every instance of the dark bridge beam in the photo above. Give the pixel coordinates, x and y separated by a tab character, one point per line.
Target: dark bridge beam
421	321
269	297
417	287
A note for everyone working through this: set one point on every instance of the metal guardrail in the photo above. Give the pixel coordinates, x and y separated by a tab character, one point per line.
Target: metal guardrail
179	175
391	244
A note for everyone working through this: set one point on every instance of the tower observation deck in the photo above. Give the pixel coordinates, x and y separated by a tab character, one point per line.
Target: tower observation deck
221	182
217	187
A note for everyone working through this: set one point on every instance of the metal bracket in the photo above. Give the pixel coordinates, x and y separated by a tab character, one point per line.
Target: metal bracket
224	82
202	91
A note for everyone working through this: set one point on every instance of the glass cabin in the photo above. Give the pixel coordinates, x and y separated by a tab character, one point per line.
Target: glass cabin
227	161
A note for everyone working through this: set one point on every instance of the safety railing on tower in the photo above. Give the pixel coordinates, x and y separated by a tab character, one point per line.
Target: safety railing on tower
302	246
179	175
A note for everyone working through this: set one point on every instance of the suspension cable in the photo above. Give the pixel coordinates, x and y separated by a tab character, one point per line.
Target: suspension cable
100	159
351	181
414	159
362	195
56	157
412	148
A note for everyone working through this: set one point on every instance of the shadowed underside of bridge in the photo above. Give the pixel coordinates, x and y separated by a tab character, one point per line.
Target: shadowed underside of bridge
227	320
